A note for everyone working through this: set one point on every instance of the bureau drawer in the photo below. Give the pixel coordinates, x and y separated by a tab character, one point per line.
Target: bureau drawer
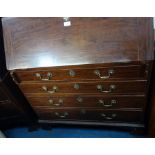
89	101
106	87
103	73
89	114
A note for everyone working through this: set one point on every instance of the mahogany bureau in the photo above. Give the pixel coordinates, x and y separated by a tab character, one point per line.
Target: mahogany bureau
90	71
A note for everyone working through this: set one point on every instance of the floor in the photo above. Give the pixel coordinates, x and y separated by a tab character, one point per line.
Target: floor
68	132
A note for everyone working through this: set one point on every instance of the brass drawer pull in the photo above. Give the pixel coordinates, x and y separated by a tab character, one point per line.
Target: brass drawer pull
79	99
49	76
83	111
65	19
111	88
110	72
112	102
54	89
72	73
76	86
51	102
64	115
109	117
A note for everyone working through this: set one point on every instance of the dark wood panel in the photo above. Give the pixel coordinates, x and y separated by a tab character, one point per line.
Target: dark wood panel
3	96
151	114
13	106
89	114
76	73
43	42
151	105
101	101
106	87
7	109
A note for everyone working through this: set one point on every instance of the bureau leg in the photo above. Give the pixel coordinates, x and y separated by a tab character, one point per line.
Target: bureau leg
138	131
46	126
33	128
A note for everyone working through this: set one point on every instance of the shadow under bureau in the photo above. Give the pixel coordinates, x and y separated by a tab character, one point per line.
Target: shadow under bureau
91	71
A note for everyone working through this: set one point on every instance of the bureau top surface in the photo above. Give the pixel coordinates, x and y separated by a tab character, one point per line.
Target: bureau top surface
50	42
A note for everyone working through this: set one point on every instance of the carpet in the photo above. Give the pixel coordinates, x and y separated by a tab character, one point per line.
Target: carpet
65	132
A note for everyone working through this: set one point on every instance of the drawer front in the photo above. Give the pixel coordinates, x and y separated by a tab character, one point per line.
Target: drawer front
103	73
89	114
89	101
107	87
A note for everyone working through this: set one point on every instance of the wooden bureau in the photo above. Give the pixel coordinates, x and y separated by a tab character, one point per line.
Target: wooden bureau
91	71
